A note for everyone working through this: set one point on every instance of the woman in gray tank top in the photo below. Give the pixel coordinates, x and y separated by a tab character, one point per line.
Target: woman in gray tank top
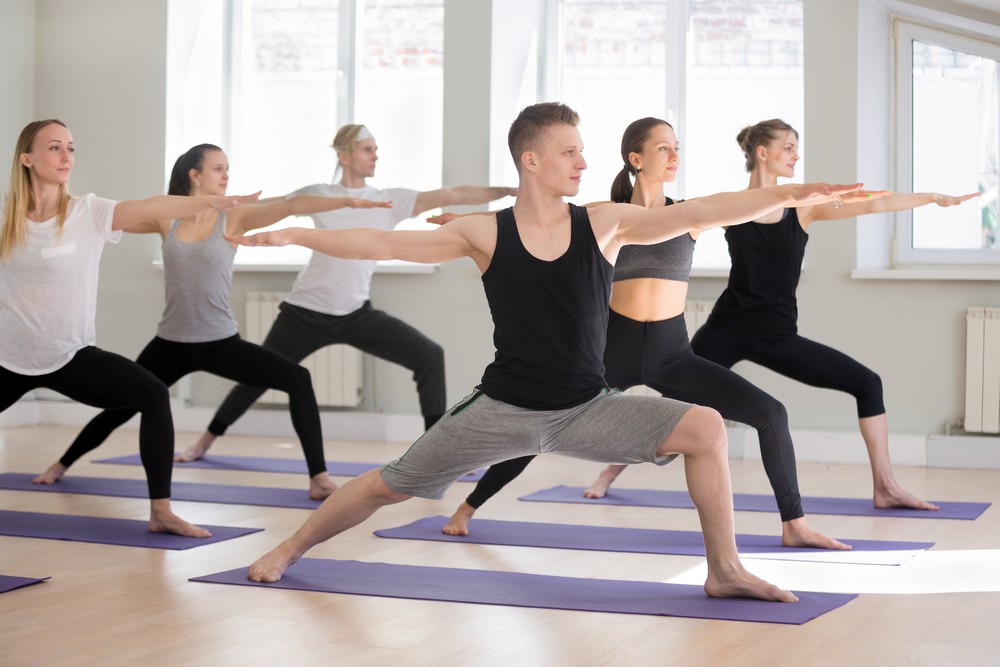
198	331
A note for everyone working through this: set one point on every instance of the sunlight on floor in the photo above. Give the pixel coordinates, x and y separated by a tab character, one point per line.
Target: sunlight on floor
927	572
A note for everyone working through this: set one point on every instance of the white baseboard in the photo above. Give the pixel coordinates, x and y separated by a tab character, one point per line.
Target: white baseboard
363	426
832	447
963	451
933	451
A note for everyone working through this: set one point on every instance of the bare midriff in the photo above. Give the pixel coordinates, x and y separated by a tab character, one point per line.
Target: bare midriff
648	299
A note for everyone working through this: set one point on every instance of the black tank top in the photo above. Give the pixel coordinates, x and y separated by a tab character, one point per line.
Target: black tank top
550	319
766	264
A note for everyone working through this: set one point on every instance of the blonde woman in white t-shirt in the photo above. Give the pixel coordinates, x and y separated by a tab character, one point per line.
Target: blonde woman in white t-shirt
50	250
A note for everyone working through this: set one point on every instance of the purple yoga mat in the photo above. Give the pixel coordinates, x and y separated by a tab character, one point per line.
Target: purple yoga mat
136	488
747	502
267	464
8	583
533	590
603	538
121	532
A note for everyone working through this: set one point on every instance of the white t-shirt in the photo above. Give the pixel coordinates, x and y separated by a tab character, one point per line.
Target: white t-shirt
48	289
340	286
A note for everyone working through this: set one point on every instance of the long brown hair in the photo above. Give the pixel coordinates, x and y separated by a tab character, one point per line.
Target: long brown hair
633	139
20	196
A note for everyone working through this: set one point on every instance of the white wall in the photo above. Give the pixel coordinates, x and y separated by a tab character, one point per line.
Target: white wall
17	74
100	66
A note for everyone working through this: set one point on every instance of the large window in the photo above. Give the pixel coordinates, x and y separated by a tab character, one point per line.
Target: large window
949	142
271	81
709	67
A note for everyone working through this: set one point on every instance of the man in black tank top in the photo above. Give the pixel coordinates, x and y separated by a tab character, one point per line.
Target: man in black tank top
547	269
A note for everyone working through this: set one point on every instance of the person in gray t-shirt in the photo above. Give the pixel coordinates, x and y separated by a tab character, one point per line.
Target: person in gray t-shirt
198	330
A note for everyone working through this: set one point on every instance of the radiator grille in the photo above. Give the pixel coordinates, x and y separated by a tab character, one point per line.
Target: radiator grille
336	370
982	370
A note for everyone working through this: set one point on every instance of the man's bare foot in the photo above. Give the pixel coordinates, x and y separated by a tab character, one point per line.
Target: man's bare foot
52	475
321	486
163	520
599	488
742	584
197	450
796	533
269	567
459	522
891	496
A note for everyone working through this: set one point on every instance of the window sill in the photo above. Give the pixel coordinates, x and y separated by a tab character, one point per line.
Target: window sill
388	266
710	273
928	273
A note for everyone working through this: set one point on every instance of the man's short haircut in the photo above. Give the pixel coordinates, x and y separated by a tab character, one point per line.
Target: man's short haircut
527	128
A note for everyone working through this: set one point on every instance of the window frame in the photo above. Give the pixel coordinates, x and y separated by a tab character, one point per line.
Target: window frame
903	252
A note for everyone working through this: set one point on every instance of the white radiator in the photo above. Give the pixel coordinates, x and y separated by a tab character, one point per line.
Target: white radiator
982	370
695	314
336	369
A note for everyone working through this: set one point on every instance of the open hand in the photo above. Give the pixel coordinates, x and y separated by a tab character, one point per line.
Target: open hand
278	237
225	203
948	200
443	218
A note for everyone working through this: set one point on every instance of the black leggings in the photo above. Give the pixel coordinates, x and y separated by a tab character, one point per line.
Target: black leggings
234	359
107	380
658	355
798	358
298	332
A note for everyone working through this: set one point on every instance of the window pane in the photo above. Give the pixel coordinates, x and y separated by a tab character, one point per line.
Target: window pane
614	71
745	66
287	110
955	140
400	90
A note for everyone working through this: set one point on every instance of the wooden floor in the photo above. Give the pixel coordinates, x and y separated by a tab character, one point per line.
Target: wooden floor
108	605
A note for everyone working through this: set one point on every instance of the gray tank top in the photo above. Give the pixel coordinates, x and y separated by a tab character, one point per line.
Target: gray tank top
197	278
670	260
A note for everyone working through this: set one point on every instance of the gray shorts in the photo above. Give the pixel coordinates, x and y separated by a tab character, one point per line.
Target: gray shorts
480	431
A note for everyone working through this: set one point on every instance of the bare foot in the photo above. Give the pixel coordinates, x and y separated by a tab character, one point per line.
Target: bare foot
459	522
163	520
600	486
269	567
197	450
742	584
321	486
796	533
893	495
52	475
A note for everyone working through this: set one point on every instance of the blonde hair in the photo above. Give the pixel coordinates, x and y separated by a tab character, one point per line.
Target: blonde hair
20	196
346	137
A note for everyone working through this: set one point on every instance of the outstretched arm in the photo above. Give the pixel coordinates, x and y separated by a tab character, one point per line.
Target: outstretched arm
458	195
638	225
247	218
895	201
167	207
428	247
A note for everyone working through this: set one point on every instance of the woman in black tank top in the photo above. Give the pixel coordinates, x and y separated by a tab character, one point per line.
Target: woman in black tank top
755	318
647	344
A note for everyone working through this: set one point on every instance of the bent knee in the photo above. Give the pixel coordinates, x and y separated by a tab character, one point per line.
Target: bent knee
379	489
705	420
700	429
151	393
